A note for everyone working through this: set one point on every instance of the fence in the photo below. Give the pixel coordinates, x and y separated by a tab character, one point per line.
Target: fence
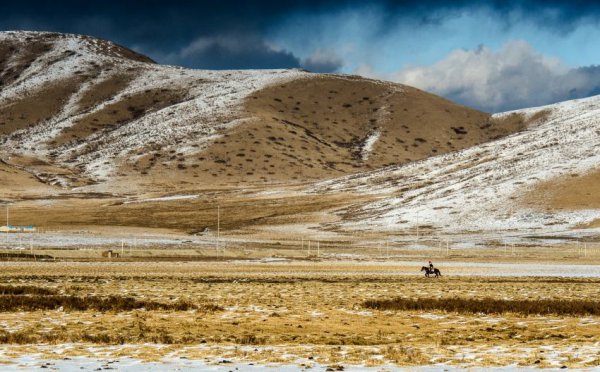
305	246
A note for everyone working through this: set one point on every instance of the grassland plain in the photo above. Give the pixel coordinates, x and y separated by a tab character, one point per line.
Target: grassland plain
312	313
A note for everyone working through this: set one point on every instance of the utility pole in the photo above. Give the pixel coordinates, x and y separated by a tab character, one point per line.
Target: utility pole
7	228
417	225
218	227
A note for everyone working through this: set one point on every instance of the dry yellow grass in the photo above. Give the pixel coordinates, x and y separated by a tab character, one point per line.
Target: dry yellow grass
569	193
17	183
317	127
302	311
240	211
573	192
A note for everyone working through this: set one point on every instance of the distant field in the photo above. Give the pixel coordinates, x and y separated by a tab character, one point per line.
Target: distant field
303	244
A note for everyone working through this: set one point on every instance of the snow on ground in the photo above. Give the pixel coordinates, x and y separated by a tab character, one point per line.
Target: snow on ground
478	188
464	358
529	269
487	239
398	267
85	240
135	365
368	145
162	198
458	268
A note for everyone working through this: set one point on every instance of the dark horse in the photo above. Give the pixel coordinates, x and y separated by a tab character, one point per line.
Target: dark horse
428	271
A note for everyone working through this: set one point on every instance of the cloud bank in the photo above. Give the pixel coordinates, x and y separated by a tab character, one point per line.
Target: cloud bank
512	77
408	41
231	52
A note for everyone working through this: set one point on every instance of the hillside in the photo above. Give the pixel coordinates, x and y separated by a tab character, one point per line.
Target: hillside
77	111
95	135
538	181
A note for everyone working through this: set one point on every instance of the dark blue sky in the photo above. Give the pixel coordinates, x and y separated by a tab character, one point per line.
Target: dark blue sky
491	55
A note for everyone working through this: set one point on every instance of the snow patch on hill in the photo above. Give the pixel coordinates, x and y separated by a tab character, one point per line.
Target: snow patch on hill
367	147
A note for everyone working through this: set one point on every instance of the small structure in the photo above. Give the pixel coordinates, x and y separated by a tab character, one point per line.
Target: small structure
17	229
110	254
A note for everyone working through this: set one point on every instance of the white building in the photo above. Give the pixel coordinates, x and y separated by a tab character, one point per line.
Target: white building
17	229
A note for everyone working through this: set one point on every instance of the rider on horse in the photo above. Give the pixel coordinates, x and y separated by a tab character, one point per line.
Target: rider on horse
430	270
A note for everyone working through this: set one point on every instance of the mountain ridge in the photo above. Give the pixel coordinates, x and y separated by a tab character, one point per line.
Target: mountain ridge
100	113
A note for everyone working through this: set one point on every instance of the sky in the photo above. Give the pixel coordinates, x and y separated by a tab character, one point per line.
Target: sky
494	56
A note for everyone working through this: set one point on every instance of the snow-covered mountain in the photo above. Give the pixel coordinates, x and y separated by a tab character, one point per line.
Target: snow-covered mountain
78	111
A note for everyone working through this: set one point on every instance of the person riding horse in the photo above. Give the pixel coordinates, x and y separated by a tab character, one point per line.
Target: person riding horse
431	270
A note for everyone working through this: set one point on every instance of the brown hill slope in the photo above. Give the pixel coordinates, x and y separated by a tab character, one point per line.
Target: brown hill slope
324	126
94	113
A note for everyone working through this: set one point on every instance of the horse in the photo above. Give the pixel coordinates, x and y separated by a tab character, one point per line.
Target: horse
428	271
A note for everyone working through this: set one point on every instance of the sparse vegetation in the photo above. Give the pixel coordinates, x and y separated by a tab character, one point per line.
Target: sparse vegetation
285	306
26	290
490	306
35	302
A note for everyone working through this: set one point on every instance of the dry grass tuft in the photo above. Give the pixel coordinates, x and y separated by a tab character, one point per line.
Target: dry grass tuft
404	355
250	339
489	306
34	302
26	290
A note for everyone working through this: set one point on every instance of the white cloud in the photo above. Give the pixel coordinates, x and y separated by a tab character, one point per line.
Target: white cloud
514	76
323	60
232	51
227	42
